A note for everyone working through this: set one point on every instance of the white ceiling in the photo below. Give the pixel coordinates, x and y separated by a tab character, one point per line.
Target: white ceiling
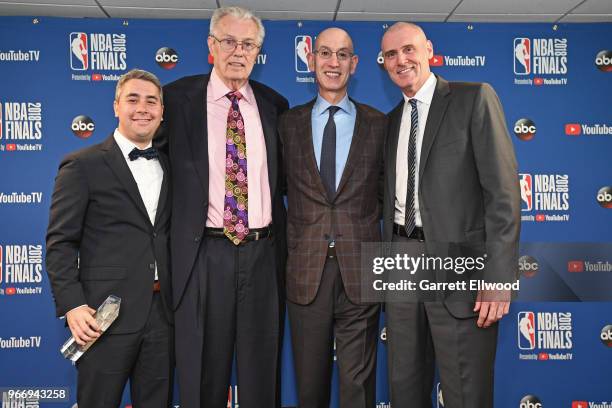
553	11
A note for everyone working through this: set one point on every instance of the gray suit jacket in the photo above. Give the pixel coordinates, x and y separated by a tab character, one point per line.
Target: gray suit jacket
468	184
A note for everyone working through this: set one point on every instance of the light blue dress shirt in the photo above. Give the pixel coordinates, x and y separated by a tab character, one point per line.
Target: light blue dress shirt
345	124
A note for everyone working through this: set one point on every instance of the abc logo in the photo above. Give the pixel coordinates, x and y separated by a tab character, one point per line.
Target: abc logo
380	60
606	335
603	61
83	126
166	58
604	197
383	335
530	401
528	266
524	129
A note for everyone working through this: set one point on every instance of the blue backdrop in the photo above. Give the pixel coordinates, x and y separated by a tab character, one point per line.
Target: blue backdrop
555	84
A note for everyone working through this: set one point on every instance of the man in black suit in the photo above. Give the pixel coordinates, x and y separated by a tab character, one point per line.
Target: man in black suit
108	235
333	157
450	177
228	221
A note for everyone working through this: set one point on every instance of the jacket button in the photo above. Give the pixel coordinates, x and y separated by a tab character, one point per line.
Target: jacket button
151	266
196	239
155	235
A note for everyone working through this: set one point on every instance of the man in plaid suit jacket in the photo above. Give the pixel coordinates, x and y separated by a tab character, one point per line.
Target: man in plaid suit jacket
333	158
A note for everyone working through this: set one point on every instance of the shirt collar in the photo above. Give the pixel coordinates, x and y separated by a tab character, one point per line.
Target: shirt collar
425	94
125	144
219	89
321	105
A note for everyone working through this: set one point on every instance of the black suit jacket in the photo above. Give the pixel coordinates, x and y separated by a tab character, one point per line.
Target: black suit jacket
352	217
100	240
185	137
468	181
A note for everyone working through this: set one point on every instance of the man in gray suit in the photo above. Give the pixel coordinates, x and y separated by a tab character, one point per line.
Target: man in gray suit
451	177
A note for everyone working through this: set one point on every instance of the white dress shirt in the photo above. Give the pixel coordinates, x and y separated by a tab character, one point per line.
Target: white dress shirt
148	175
423	97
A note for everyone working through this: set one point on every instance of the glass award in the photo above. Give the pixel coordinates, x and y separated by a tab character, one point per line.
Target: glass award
105	316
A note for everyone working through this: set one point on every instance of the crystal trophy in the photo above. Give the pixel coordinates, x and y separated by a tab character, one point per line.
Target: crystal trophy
105	316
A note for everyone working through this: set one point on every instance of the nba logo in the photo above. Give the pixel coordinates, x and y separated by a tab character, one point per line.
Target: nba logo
303	47
526	186
1	263
79	54
522	56
526	330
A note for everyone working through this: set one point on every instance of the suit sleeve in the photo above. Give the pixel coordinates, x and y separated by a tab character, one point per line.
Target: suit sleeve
281	151
66	218
497	172
381	176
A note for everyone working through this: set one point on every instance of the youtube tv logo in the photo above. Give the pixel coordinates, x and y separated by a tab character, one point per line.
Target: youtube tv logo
573	129
10	291
580	404
575	266
11	147
96	77
538	81
540	217
436	61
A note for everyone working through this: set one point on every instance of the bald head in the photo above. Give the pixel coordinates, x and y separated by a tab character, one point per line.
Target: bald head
414	29
334	34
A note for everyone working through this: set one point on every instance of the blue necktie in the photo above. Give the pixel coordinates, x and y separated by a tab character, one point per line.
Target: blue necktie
328	154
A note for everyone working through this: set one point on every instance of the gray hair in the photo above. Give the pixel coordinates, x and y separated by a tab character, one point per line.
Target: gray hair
138	74
241	14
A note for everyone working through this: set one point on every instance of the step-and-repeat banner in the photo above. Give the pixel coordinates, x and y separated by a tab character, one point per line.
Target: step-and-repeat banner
57	80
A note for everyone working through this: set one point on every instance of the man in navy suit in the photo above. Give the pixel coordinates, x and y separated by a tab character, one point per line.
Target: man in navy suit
228	221
108	235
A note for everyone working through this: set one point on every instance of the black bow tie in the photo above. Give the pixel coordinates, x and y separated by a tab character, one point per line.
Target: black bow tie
150	153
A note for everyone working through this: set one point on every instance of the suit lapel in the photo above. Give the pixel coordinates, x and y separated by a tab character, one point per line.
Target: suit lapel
267	116
163	193
395	119
357	143
439	103
194	109
306	145
115	160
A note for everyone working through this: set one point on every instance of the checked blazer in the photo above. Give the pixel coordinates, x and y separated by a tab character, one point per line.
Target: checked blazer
352	217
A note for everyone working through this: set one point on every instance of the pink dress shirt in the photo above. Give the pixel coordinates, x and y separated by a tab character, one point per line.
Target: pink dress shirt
217	108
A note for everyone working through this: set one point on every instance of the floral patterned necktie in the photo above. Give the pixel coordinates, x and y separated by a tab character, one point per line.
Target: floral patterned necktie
235	214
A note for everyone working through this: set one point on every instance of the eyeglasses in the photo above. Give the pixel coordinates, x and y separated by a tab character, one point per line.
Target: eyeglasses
229	44
326	53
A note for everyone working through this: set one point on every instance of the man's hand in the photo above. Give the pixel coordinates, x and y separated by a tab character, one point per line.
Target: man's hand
492	306
82	324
